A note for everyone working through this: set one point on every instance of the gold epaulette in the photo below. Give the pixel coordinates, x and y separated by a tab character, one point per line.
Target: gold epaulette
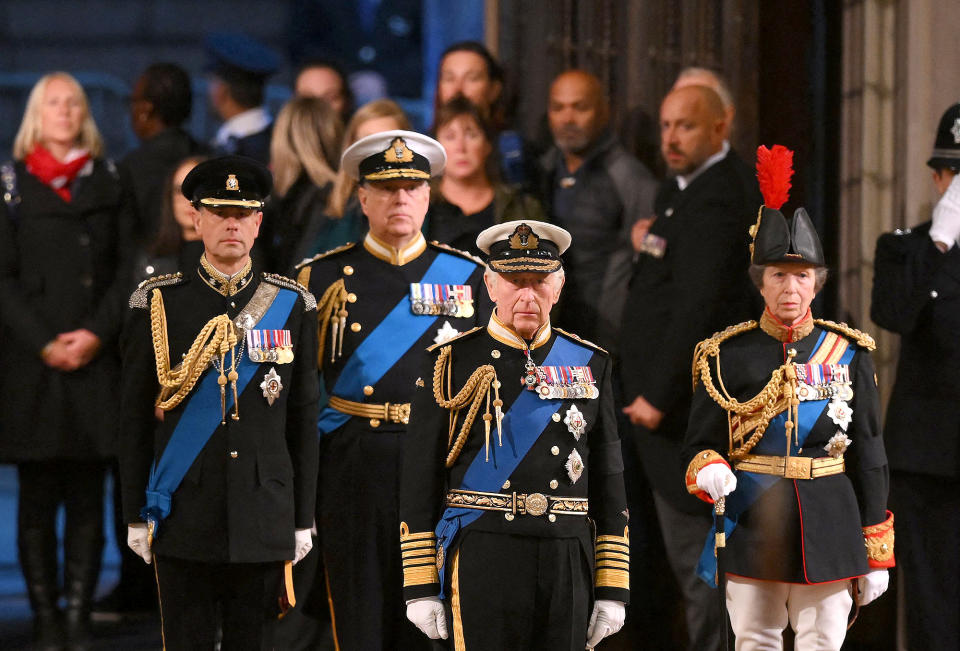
320	256
140	298
452	339
711	345
462	254
613	561
862	338
310	303
581	340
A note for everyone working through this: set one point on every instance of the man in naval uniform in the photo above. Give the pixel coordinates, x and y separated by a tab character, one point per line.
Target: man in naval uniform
381	303
784	437
515	433
218	459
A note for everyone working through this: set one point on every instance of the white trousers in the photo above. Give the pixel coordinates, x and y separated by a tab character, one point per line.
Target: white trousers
760	610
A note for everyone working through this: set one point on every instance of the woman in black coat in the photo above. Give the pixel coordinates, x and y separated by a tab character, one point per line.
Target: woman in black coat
62	233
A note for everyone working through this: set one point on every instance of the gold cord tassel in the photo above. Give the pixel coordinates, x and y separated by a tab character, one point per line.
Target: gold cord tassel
222	381
331	311
498	407
335	325
476	388
233	376
343	327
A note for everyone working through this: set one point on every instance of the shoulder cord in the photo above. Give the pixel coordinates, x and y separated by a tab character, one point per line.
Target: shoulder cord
476	388
777	395
218	336
331	310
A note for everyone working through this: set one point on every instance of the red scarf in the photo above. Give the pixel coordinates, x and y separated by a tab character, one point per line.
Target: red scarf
58	175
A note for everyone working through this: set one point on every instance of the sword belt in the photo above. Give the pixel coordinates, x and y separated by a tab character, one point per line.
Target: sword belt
518	503
791	467
387	412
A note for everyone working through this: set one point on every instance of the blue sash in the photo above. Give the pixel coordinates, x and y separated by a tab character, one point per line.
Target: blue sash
201	417
390	341
751	485
522	425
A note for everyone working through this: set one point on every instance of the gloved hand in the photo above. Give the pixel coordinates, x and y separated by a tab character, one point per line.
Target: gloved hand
717	480
606	619
304	543
946	215
427	615
137	540
871	585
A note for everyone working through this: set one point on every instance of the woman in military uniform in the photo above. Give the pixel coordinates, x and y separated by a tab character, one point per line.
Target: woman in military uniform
784	429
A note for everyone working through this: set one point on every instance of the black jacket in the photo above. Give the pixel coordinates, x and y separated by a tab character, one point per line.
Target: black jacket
254	482
916	293
62	267
426	479
698	286
799	530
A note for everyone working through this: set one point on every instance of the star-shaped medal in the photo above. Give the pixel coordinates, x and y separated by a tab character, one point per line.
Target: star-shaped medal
445	333
840	413
575	422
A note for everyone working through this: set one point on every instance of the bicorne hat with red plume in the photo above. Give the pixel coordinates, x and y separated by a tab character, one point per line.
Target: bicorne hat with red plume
774	239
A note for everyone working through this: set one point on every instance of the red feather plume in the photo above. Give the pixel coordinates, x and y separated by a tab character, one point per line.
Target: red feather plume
774	169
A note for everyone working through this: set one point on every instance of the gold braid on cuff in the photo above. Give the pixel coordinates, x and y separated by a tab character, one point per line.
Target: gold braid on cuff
704	458
613	561
420	565
878	539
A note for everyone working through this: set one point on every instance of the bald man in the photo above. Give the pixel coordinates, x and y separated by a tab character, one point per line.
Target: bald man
689	280
596	190
695	76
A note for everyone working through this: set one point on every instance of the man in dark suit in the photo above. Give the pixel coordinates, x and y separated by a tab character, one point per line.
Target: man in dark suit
689	280
218	459
239	68
916	293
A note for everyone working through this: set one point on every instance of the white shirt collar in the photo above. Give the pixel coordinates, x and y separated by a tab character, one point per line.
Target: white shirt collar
684	181
244	124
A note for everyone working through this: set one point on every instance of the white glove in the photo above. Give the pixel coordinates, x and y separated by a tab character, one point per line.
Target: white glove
137	540
606	619
717	480
871	585
304	543
946	215
427	615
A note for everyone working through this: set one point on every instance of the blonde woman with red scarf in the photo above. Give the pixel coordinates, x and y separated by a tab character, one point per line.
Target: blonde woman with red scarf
63	221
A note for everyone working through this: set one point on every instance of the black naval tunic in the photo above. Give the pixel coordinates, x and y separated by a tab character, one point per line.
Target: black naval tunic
254	482
798	530
360	459
515	580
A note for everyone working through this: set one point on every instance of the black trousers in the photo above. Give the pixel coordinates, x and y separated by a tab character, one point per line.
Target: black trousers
197	599
518	593
927	512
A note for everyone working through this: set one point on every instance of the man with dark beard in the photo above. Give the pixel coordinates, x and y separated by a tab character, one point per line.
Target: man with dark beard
596	190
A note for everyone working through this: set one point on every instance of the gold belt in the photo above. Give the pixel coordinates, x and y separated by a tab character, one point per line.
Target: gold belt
387	412
791	467
514	503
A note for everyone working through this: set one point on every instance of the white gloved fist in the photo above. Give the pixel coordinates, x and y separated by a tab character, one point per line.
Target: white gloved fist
717	480
606	619
427	615
138	541
303	545
871	585
946	215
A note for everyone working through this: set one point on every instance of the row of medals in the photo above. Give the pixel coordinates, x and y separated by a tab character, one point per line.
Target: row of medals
451	307
281	355
534	380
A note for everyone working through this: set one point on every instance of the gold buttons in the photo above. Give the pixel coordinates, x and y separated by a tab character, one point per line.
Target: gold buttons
348	271
552	518
506	484
495	353
233	454
508	517
374	422
368	390
355	326
554	450
351	297
554	483
556	418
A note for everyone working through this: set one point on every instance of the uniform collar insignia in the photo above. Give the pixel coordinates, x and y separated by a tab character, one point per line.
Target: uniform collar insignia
398	257
507	335
782	332
221	282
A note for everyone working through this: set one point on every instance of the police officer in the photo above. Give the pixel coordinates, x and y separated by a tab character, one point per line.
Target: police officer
916	293
791	403
219	452
381	303
516	434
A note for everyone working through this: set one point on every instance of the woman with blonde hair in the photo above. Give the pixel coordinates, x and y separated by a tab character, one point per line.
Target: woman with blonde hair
304	155
63	231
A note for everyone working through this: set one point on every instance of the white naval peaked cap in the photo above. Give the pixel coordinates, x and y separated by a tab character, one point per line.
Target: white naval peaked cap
395	154
521	246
